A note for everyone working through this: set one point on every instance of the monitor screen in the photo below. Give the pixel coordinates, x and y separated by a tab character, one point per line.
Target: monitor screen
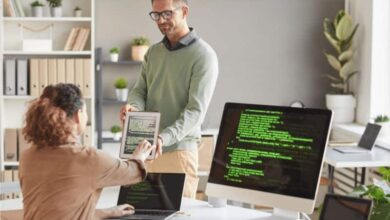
159	191
271	148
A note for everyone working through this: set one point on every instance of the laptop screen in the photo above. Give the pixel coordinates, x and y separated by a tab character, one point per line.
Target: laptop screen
368	138
159	191
346	208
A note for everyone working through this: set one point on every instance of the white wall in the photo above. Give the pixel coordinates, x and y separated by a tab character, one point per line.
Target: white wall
270	51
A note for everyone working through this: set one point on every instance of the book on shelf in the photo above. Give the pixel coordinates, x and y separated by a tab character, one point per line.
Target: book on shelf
9	10
81	39
71	39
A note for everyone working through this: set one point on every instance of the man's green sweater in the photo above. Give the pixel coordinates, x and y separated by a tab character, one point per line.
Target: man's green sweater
178	84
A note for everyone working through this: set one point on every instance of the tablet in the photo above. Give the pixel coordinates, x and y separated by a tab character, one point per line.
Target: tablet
138	127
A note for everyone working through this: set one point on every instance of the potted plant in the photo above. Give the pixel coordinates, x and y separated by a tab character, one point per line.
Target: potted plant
340	33
379	192
384	122
37	8
139	46
116	132
121	89
77	12
114	54
55	7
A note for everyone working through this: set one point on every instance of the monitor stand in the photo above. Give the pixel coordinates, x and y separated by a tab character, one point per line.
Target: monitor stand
283	214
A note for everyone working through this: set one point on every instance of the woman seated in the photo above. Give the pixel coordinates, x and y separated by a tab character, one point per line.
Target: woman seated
60	178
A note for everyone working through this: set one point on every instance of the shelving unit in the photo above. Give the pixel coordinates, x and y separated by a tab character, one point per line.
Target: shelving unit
12	108
100	99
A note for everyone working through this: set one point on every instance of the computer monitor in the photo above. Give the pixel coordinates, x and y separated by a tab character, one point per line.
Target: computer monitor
269	155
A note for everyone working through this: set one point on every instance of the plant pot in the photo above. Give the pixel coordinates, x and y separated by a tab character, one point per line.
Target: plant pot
114	57
116	136
385	129
56	11
78	13
121	94
138	52
343	107
37	11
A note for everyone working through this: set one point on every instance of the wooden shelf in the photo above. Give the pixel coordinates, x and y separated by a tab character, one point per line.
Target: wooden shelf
122	62
47	19
113	101
13	163
47	53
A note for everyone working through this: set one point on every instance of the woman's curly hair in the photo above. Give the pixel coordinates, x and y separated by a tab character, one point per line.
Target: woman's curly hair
48	121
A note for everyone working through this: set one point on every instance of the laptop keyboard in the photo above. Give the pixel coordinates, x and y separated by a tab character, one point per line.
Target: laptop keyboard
154	213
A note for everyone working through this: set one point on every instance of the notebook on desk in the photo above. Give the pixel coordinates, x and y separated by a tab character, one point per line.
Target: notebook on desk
366	142
338	207
158	197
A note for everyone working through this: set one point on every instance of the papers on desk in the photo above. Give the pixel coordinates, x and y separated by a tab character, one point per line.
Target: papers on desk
342	143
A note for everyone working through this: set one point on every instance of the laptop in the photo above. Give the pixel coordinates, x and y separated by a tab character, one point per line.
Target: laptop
366	142
338	207
158	197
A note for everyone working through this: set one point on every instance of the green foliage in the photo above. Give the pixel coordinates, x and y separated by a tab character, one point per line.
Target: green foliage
381	118
139	41
54	3
116	129
77	8
37	4
121	83
340	34
114	50
379	193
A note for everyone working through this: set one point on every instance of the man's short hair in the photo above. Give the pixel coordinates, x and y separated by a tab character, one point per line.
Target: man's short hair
178	1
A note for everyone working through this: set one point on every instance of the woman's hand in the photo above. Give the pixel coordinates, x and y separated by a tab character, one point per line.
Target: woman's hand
117	211
142	151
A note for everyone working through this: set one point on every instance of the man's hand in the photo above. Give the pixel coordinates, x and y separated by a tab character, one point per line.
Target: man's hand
159	147
142	151
124	109
117	211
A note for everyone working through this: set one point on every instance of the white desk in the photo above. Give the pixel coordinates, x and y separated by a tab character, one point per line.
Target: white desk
190	208
376	158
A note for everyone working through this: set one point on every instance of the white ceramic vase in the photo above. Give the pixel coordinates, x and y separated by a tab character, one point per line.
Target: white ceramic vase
56	11
114	57
343	107
116	136
121	94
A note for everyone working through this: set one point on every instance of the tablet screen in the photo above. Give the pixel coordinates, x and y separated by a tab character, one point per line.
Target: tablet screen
139	126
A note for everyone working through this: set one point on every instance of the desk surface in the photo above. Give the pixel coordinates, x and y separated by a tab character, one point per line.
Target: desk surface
190	208
376	158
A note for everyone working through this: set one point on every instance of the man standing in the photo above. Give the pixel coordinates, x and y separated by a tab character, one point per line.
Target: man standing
178	79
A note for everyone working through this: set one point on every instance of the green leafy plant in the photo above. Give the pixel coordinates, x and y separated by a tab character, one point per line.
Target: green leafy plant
37	4
114	50
379	192
340	33
121	83
54	3
381	118
140	41
115	129
77	8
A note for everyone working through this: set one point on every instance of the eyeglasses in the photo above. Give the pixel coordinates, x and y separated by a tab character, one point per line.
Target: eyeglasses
165	14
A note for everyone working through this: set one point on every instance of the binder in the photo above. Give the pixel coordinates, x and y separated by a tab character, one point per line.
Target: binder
43	75
21	77
7	177
79	75
71	39
87	77
22	143
10	77
87	139
10	145
61	76
52	72
80	36
34	77
69	71
15	178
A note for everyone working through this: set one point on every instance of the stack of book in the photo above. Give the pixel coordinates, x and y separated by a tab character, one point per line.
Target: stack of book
13	8
77	39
